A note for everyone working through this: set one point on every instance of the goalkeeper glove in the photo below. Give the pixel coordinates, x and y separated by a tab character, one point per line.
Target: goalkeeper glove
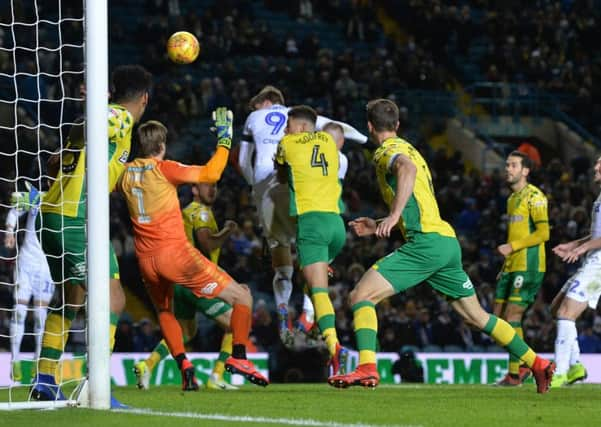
25	200
224	119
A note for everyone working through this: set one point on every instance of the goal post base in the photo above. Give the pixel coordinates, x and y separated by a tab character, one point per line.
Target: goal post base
35	404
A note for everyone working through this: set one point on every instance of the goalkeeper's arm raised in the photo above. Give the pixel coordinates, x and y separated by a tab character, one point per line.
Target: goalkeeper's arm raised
178	173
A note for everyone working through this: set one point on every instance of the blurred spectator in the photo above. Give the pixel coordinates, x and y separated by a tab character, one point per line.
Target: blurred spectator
408	367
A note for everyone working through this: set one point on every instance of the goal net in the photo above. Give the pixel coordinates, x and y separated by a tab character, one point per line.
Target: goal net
44	65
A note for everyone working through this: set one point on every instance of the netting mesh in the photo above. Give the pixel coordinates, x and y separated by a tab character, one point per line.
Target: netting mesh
41	97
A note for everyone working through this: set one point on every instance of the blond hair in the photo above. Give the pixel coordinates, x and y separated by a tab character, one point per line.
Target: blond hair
152	135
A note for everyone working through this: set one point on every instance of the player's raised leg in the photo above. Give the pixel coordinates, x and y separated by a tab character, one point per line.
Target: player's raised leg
498	329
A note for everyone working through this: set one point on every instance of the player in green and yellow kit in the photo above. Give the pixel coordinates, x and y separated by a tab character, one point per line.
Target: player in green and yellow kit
524	266
63	221
308	160
202	231
431	254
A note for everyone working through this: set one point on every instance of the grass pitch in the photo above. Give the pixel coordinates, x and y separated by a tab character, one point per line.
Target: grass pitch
319	405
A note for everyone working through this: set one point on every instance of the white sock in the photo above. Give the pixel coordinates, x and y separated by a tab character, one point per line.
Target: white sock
17	329
38	328
575	352
282	284
308	308
566	334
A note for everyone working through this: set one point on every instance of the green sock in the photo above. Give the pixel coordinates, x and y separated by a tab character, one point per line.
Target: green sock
514	362
505	336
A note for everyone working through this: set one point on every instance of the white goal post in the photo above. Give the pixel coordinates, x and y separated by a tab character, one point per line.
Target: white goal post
96	54
95	391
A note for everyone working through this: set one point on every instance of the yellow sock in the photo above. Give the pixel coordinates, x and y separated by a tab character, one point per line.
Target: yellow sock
114	319
224	352
159	353
366	331
324	313
56	333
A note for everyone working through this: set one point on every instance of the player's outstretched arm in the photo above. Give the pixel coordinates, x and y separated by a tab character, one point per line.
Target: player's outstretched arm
349	131
563	248
209	241
363	226
575	254
177	173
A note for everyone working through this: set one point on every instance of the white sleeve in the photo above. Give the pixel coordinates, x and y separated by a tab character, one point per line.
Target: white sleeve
245	160
349	131
247	147
12	217
343	165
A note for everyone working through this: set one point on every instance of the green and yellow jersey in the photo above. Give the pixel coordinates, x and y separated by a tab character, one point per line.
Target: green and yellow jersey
421	214
526	210
196	216
67	195
312	162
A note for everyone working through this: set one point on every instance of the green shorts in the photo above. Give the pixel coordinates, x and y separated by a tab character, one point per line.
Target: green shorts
320	236
64	243
186	304
430	258
519	287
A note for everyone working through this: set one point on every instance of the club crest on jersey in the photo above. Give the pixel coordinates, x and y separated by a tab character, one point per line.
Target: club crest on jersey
209	288
124	156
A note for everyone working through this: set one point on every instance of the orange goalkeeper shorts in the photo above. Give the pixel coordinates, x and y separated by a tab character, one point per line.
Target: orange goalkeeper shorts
183	265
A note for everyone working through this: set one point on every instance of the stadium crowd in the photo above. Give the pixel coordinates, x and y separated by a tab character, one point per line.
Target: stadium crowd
337	84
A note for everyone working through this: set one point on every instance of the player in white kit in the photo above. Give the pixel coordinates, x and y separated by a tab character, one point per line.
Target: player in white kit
263	130
31	276
582	290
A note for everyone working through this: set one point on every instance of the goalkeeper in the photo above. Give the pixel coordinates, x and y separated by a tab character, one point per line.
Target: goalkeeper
63	223
165	255
202	232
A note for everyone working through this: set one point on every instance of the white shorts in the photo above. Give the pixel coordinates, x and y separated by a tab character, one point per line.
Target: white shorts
33	280
272	200
585	284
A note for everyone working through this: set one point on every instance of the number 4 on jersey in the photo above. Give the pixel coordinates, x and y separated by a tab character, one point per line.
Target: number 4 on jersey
318	160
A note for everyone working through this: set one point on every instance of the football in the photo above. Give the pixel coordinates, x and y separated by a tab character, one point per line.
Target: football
183	47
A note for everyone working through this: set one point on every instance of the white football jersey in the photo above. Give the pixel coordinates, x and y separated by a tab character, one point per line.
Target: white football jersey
343	165
30	251
265	128
596	219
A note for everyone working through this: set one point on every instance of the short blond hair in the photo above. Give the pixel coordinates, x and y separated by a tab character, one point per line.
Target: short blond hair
152	135
268	93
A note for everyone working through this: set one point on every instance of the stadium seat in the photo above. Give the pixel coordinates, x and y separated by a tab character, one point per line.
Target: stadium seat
432	349
453	349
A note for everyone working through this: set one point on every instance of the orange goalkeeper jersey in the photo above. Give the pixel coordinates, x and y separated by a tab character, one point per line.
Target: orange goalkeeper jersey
150	189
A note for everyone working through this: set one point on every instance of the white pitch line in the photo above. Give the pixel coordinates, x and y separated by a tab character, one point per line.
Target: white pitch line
247	419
